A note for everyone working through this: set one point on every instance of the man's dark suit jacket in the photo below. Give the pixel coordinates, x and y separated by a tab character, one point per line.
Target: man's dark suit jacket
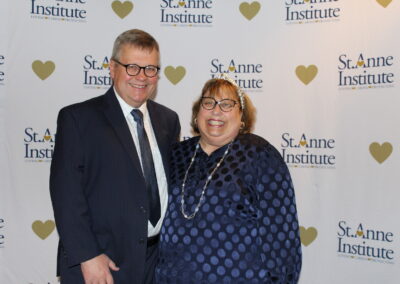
98	189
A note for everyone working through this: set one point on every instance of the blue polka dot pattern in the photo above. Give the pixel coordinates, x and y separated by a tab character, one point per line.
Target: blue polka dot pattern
246	230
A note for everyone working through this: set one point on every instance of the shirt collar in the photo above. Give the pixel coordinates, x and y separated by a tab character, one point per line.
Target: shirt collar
126	109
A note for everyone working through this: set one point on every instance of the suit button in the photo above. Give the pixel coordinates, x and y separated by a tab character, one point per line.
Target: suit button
142	208
141	241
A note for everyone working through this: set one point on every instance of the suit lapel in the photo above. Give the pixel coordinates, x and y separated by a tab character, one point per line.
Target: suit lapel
161	134
115	116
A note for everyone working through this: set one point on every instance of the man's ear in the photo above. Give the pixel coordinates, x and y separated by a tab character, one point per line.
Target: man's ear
112	68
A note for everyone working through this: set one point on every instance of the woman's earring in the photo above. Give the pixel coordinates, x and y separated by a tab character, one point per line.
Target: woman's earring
242	125
195	121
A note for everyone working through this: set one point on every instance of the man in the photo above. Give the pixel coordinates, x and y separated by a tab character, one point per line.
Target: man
100	181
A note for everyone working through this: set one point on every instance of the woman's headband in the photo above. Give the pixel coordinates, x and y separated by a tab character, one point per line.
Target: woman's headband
240	92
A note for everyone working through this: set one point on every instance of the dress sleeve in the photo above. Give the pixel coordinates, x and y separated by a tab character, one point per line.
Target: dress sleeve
278	222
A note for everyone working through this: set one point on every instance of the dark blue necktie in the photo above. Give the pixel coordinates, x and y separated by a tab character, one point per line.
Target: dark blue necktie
148	169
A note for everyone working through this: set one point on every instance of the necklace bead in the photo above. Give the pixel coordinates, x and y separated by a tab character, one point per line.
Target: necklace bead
196	209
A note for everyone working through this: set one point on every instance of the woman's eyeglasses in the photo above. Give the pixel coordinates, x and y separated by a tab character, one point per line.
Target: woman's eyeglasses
225	105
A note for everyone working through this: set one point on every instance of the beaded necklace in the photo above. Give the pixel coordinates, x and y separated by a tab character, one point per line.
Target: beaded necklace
191	216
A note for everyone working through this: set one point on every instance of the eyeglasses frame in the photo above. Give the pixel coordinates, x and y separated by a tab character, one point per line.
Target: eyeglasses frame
140	68
218	103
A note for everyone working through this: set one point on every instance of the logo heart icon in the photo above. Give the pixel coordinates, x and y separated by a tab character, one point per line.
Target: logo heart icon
307	236
43	70
43	230
249	11
306	74
303	142
360	63
380	152
174	75
181	3
122	9
384	3
360	233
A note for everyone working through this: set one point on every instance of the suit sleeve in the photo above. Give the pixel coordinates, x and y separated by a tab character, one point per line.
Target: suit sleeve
67	192
177	129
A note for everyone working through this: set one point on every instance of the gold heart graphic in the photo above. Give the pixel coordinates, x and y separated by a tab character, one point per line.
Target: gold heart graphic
303	142
360	63
249	10
181	3
360	233
306	0
232	68
306	74
307	236
122	9
43	230
380	152
47	137
174	75
43	70
105	65
384	3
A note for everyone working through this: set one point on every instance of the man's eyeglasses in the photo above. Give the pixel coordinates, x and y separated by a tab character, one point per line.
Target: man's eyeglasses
225	105
134	69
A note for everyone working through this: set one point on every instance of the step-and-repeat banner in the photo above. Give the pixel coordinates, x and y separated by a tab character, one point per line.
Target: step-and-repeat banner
323	74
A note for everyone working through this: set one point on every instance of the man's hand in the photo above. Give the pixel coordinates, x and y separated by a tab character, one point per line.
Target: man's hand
97	270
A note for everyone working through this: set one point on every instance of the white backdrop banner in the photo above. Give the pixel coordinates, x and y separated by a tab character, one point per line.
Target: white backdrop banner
323	75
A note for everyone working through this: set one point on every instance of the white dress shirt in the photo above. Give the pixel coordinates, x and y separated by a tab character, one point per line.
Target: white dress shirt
158	163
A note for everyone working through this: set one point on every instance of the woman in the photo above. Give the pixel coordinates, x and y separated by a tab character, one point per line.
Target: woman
232	215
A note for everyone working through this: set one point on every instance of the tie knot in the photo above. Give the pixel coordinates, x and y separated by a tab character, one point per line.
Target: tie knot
137	115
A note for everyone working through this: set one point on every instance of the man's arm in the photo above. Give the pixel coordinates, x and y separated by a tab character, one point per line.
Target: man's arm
97	270
177	129
70	207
